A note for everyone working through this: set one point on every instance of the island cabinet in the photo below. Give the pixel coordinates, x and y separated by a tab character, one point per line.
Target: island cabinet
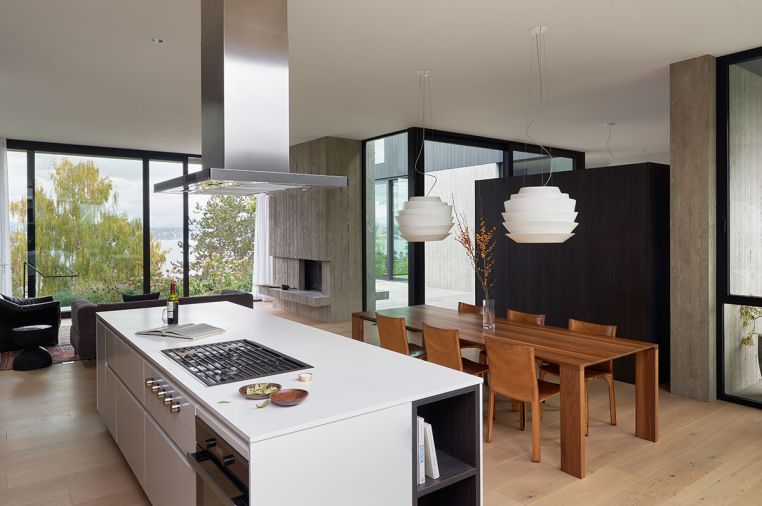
352	441
152	438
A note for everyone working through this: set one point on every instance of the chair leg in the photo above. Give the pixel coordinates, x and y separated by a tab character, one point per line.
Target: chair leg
587	409
536	432
612	399
522	415
514	405
490	416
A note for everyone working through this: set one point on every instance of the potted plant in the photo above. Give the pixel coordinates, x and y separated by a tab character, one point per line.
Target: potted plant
749	317
480	252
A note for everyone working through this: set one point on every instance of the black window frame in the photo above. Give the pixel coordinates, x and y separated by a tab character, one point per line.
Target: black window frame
146	156
724	295
415	139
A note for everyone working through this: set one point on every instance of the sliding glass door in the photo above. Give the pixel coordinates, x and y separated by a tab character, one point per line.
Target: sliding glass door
17	183
740	227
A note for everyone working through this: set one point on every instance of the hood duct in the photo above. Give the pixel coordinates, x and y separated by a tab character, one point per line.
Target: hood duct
244	103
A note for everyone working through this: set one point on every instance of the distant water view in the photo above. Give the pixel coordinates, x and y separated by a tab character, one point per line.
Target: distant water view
170	239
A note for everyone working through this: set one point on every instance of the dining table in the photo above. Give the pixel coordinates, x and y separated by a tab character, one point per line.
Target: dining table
572	351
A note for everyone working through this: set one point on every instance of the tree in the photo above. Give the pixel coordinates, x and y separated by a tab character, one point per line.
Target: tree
223	245
80	230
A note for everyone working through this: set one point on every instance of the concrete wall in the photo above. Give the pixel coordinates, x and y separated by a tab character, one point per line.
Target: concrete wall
693	227
322	225
447	266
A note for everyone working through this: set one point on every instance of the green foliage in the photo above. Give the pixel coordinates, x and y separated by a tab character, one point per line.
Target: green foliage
223	238
749	317
80	229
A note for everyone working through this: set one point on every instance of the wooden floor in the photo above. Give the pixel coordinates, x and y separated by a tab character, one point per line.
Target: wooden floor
54	449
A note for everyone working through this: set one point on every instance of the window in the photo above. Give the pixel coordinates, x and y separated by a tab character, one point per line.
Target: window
88	227
529	164
166	228
378	151
739	234
449	276
221	241
17	183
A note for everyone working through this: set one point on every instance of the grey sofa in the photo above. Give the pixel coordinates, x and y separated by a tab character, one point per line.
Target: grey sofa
83	315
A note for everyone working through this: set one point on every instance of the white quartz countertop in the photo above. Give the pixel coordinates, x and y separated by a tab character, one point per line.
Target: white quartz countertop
350	378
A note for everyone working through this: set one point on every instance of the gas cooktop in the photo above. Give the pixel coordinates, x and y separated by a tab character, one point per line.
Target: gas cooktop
219	363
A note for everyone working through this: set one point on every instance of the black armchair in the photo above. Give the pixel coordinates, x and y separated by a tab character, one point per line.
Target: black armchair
21	312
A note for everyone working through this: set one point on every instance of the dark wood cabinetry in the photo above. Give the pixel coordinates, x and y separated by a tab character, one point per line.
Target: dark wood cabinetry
614	270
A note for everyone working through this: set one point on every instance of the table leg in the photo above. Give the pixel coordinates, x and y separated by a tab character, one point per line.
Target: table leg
647	394
358	328
573	420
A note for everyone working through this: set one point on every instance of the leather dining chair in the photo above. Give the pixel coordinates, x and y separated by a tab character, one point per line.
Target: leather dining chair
604	371
443	348
464	307
513	375
528	318
392	333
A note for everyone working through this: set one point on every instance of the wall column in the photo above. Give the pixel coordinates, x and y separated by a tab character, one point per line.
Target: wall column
693	228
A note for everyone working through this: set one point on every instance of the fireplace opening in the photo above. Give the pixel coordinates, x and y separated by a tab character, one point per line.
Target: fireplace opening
313	276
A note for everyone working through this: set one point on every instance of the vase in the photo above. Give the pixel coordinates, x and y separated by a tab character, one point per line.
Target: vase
488	314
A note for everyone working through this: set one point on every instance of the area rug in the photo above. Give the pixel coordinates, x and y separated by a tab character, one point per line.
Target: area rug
63	352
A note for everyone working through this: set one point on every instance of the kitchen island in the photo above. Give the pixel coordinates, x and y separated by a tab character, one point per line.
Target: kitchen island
352	441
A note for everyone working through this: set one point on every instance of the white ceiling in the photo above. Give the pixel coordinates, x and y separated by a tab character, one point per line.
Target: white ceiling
86	71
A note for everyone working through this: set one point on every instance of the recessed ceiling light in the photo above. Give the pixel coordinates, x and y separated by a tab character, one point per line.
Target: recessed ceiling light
157	40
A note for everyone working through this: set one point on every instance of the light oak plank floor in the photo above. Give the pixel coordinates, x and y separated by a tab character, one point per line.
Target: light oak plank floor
55	450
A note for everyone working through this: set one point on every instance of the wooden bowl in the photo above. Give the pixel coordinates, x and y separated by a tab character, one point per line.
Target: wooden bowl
258	397
289	396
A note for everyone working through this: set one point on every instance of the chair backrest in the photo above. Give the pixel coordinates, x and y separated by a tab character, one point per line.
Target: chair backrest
592	328
392	333
597	329
512	369
464	307
529	318
442	346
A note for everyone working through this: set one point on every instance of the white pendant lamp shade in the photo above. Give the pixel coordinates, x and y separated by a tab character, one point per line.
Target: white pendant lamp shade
540	214
423	219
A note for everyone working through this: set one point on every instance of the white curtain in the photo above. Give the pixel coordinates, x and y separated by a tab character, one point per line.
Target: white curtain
263	262
5	222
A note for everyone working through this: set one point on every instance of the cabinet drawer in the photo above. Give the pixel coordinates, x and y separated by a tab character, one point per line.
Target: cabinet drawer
179	426
169	481
130	430
128	365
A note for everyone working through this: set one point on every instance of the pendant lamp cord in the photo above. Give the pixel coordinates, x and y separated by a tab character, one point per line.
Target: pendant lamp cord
424	94
538	53
610	126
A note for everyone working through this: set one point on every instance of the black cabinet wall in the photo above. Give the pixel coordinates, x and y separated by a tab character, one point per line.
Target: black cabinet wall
614	270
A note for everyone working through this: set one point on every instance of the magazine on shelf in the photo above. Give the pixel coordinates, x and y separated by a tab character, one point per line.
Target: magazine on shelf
432	464
190	331
421	453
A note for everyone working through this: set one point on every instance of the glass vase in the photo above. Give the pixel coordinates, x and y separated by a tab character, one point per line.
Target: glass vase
488	314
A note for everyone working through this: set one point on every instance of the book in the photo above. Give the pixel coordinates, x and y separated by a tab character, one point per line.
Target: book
432	465
421	453
191	331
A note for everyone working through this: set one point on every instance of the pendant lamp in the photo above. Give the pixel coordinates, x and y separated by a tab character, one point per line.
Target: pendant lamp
540	214
424	219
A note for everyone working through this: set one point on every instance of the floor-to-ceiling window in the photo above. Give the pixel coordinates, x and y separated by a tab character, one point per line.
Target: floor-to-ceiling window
387	190
449	277
221	241
88	227
165	228
17	182
740	226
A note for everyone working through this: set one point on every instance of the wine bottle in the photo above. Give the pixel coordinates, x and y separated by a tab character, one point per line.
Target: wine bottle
173	305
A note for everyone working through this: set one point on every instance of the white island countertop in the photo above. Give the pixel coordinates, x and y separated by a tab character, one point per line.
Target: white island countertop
350	378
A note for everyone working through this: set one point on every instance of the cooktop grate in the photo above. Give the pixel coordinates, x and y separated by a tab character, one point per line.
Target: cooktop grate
219	363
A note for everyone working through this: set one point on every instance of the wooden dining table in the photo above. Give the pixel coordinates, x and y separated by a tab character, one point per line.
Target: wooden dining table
572	351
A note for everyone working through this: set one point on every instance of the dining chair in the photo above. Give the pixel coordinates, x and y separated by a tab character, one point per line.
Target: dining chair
443	348
513	375
464	307
528	318
392	333
603	371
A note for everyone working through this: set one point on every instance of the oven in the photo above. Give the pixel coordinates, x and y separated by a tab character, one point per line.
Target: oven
222	473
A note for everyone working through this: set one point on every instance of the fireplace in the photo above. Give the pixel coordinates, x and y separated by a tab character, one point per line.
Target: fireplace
313	275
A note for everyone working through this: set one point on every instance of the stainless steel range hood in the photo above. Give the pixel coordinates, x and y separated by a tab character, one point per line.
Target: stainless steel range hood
244	103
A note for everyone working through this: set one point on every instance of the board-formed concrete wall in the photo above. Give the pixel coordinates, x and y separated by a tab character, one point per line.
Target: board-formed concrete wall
693	228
